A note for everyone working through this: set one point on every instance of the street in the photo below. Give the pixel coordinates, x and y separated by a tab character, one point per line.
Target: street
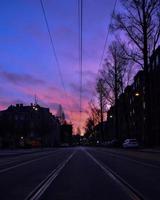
78	173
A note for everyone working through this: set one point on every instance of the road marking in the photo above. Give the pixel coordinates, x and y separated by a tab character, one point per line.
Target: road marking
24	163
41	188
12	160
129	159
133	194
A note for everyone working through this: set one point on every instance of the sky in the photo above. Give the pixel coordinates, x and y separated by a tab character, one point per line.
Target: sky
27	63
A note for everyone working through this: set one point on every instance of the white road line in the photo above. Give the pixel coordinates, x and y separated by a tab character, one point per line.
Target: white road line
129	159
41	188
25	156
24	163
133	194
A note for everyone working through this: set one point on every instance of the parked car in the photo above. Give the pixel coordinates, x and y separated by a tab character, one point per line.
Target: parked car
130	143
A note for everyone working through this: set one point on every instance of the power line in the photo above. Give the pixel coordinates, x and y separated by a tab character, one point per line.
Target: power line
80	25
107	36
53	48
108	32
52	44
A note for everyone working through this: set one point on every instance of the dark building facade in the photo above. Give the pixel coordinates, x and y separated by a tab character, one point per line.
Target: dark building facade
155	95
28	126
66	134
131	107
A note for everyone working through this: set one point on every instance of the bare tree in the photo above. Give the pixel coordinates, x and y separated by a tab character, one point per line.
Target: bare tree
114	72
94	112
141	24
140	21
94	118
89	127
100	88
78	131
114	76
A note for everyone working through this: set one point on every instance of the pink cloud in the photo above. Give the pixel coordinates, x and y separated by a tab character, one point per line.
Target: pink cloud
20	78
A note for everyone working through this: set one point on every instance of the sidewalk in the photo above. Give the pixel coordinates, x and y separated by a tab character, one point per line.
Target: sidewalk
144	154
151	150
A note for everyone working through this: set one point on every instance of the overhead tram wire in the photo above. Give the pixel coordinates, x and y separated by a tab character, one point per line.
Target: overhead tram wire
107	36
80	25
108	32
52	44
53	48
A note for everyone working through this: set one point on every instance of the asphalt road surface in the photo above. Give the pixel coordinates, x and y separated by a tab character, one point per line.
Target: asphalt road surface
80	173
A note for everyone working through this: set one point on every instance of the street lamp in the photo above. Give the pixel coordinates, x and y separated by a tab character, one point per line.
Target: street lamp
137	94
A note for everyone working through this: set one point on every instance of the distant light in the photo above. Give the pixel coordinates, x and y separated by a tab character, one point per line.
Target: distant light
22	138
137	94
34	108
111	116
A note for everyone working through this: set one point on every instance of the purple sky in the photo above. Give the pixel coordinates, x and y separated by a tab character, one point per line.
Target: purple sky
27	64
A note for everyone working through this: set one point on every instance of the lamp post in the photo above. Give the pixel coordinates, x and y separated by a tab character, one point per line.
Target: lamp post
137	94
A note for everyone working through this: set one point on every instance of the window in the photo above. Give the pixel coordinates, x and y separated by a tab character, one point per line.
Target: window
130	101
153	65
130	113
157	60
144	105
150	66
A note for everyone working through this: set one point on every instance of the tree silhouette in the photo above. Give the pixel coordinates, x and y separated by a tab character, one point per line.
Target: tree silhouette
140	22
